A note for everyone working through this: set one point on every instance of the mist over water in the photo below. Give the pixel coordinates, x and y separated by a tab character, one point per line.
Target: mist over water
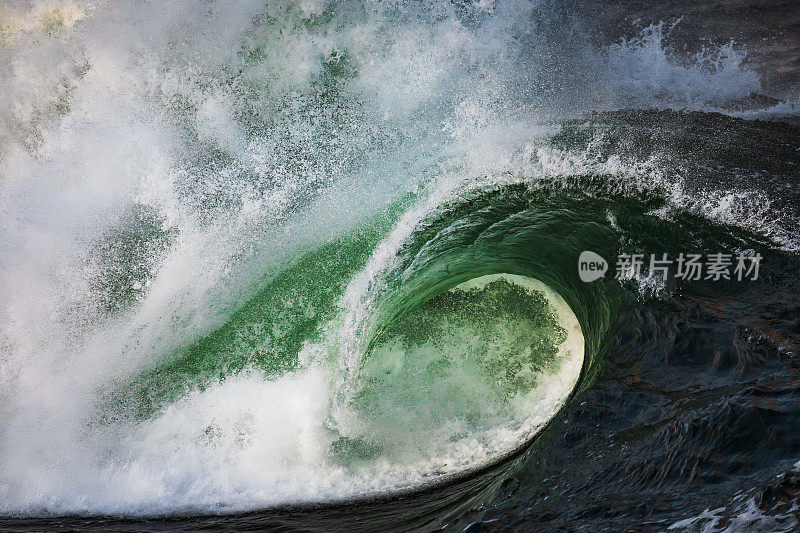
235	238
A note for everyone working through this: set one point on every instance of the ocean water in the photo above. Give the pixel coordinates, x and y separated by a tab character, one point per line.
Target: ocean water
313	265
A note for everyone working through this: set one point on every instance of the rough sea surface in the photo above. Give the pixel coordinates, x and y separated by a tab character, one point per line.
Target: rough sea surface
313	266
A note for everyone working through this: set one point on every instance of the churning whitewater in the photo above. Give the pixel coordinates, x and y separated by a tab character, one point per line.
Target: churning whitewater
259	253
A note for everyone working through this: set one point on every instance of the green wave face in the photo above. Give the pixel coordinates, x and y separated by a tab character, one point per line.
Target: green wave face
392	358
447	380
